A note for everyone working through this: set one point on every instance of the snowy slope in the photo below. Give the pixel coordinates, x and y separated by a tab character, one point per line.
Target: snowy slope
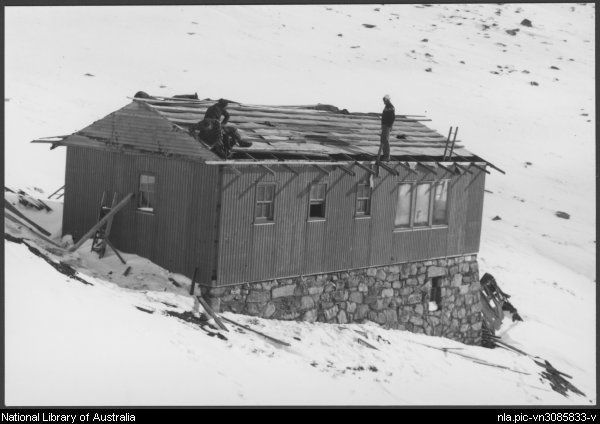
74	343
295	55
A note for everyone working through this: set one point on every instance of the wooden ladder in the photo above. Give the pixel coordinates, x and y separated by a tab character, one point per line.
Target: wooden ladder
100	240
102	233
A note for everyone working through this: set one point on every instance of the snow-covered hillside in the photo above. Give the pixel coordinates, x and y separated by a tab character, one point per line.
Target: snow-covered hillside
68	66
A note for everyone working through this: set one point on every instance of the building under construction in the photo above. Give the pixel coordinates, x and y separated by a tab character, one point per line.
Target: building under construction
303	224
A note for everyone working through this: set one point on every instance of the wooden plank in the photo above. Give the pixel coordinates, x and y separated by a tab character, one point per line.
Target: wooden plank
212	313
106	217
346	170
273	339
19	222
14	210
115	250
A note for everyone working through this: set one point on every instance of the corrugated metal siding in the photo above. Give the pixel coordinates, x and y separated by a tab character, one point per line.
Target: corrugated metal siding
474	212
179	235
292	245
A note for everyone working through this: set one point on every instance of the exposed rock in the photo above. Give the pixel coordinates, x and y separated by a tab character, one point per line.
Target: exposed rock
496	218
526	22
512	31
258	296
283	291
562	215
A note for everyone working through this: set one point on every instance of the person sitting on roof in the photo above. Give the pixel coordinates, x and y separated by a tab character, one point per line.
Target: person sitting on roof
214	132
210	128
387	120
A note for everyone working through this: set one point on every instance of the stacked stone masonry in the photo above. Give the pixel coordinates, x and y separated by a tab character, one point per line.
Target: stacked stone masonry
395	296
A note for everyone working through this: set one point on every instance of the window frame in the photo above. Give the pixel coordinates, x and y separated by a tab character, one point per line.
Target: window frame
138	207
265	220
324	200
414	205
413	202
359	214
447	212
410	206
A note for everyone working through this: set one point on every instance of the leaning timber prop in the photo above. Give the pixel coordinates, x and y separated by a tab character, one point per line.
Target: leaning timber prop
102	221
37	233
212	313
11	208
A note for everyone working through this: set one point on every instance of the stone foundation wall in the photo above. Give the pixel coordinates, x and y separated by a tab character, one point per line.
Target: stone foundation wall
395	296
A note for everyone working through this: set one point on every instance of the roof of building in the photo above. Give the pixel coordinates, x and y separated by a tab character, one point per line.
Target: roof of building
316	132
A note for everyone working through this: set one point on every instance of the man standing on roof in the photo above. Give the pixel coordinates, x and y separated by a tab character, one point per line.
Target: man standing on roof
387	121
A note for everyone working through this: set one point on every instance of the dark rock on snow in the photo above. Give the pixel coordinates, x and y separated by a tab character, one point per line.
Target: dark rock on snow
526	22
496	218
562	215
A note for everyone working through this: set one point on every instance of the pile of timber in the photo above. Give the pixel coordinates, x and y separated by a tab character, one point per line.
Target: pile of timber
557	379
31	202
493	304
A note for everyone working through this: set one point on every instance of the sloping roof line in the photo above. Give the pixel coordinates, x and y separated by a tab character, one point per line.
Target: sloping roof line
311	130
318	132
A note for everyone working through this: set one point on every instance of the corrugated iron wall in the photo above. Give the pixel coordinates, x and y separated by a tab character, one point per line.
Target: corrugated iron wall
294	245
179	235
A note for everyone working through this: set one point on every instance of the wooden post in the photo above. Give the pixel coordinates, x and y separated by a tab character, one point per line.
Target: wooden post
100	223
193	286
115	250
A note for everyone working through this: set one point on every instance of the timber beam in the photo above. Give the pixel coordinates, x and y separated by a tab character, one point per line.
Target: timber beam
266	168
445	167
388	168
320	168
346	170
463	168
289	168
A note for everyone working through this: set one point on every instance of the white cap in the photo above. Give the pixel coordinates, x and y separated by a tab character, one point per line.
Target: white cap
386	97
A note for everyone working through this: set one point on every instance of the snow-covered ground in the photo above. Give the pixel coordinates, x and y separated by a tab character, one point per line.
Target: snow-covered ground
69	343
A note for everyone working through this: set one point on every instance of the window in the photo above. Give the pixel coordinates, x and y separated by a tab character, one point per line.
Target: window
440	201
435	296
147	196
403	206
265	195
317	201
363	199
423	197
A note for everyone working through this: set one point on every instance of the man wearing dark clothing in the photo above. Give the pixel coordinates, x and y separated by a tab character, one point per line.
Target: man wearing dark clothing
387	121
215	133
217	110
210	129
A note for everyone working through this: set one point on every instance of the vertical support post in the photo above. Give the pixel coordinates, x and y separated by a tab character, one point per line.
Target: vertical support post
193	286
